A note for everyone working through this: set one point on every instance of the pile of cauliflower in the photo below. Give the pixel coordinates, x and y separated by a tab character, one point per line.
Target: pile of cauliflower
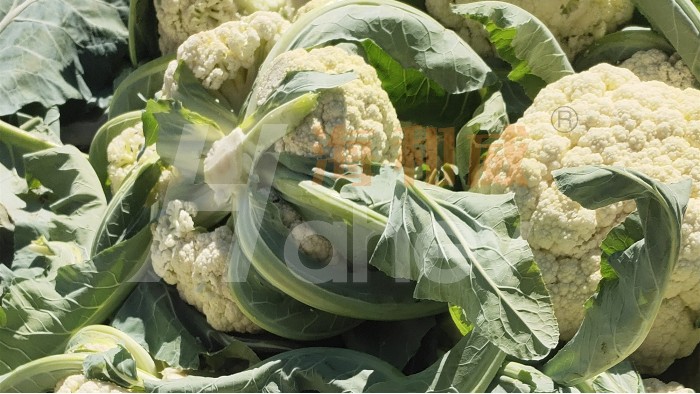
619	120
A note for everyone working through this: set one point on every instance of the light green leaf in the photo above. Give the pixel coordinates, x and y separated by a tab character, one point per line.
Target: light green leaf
41	42
679	22
115	365
276	312
622	378
619	316
142	84
42	375
523	41
464	248
128	211
489	121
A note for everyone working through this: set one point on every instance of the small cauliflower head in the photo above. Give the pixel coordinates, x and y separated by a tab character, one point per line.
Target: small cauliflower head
226	57
607	116
575	24
352	123
81	384
197	264
653	385
179	19
123	152
655	65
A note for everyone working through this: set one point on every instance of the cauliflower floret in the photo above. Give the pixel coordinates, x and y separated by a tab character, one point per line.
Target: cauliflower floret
654	385
81	384
351	123
221	58
612	118
308	241
655	65
179	19
575	24
122	153
197	264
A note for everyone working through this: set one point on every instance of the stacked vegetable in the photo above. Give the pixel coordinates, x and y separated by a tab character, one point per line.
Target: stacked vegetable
346	196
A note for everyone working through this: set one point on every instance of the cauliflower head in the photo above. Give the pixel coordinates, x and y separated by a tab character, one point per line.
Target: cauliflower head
620	120
655	65
351	123
81	384
179	19
197	264
225	57
123	152
654	385
575	24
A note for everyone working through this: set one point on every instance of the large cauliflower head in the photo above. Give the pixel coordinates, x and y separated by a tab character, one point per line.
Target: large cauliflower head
179	19
197	264
607	116
575	24
350	124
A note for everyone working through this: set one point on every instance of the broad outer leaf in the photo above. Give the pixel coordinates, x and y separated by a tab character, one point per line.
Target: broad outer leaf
622	378
42	314
621	313
115	365
523	41
40	43
304	370
462	248
63	211
679	22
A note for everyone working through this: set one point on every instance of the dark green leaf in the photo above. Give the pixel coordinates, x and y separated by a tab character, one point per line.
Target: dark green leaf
143	32
468	368
523	41
303	370
394	342
619	46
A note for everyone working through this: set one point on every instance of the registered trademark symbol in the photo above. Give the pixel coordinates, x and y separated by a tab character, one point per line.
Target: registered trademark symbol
564	119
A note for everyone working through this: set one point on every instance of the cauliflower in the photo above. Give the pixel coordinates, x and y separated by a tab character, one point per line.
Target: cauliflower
655	65
221	58
653	385
197	262
575	24
179	19
613	119
122	153
81	384
351	123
